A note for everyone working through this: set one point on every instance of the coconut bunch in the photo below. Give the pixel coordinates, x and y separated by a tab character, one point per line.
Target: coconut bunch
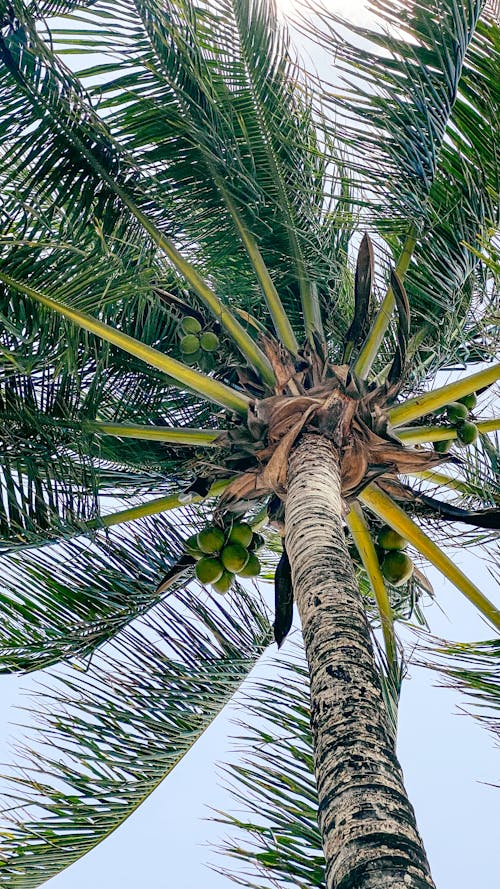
396	565
457	414
197	344
223	552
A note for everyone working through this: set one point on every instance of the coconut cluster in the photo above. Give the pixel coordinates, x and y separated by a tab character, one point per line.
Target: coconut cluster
222	553
396	565
197	345
457	413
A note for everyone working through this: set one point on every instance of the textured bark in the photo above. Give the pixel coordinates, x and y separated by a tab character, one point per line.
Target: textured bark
370	837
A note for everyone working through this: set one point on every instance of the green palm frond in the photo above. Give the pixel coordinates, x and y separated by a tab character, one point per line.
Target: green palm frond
219	106
65	600
110	735
397	86
274	784
71	150
472	668
418	96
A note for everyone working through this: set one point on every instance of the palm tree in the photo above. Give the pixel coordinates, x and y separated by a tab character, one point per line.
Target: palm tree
227	288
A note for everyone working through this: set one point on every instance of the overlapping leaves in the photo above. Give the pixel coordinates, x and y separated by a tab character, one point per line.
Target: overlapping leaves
110	735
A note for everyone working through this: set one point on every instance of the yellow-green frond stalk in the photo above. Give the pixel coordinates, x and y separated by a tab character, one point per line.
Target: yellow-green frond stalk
390	512
431	401
279	317
181	436
181	376
156	506
440	478
249	349
364	544
413	435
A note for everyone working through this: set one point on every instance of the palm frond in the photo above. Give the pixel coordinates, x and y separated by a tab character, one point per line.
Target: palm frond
64	600
67	128
416	96
275	786
110	735
472	668
390	512
240	133
397	86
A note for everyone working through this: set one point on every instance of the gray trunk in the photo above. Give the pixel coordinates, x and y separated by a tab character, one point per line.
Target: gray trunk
370	837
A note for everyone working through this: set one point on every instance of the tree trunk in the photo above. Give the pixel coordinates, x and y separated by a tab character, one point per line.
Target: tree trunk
370	837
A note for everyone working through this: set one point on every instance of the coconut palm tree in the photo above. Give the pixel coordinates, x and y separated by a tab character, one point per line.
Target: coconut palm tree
227	287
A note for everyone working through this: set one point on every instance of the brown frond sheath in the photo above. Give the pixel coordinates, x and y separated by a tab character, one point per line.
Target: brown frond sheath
354	419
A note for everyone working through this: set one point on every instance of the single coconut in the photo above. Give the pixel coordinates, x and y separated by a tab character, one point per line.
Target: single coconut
189	344
240	533
191	546
192	359
442	447
388	538
467	432
252	567
223	585
456	411
208	570
234	557
209	341
470	401
211	539
397	567
190	324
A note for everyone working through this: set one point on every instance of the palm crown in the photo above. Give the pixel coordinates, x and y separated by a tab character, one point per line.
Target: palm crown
188	286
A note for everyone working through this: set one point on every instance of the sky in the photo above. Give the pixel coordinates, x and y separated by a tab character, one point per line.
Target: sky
447	758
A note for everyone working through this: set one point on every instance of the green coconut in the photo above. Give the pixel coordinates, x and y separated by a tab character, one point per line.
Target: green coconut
191	546
190	324
209	341
397	568
456	411
380	551
211	539
223	585
467	432
388	538
442	447
240	533
208	570
189	344
234	557
469	400
192	359
252	567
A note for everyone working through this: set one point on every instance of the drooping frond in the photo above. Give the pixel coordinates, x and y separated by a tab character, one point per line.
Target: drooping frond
110	735
472	668
276	836
397	86
65	600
